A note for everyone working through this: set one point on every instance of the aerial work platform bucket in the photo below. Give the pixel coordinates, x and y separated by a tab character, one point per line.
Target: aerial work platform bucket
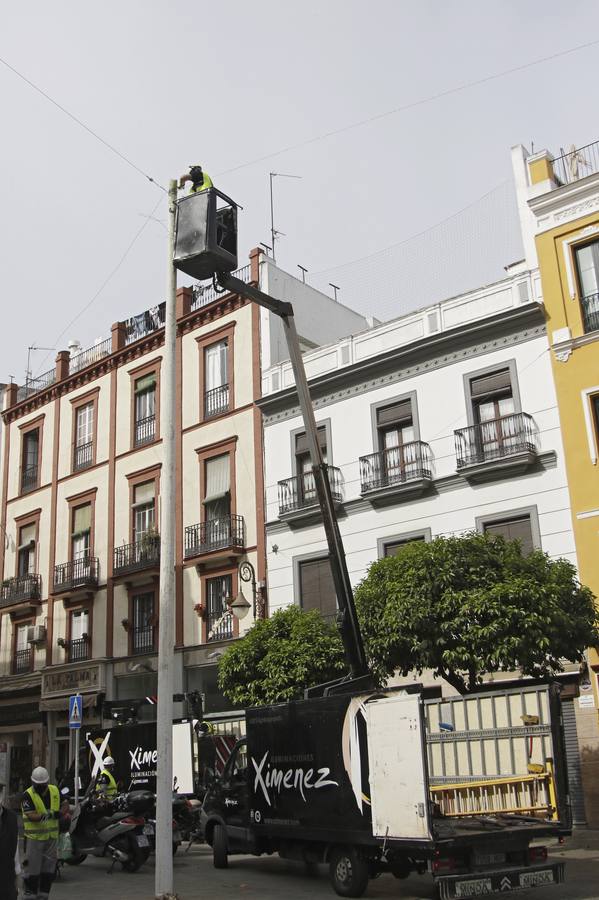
206	234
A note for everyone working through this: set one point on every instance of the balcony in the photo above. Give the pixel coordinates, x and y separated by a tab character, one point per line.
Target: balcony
590	312
83	456
216	401
577	163
298	500
78	575
29	479
143	639
19	589
137	557
226	533
145	431
504	446
78	649
395	472
23	661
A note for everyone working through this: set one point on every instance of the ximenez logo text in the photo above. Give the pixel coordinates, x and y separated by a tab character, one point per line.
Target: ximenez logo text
141	758
268	778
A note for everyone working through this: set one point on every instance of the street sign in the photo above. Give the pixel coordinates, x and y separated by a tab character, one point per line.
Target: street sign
75	711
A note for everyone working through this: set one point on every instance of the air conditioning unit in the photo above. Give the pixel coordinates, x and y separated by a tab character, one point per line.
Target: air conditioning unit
36	634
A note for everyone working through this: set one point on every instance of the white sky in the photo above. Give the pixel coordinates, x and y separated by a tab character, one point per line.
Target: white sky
176	83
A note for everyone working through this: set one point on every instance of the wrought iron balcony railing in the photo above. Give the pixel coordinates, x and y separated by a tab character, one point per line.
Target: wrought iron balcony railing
219	624
216	401
21	587
205	293
29	478
299	492
83	456
215	534
80	573
22	661
143	639
78	649
590	312
143	554
395	465
145	431
577	163
34	385
494	440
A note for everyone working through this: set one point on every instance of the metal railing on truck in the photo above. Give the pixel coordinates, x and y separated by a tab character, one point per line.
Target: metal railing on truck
493	753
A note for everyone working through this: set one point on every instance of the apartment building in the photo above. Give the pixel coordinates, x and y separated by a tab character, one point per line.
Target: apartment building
440	422
559	209
80	509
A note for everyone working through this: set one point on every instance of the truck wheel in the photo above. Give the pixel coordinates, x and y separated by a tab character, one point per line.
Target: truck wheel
220	858
348	872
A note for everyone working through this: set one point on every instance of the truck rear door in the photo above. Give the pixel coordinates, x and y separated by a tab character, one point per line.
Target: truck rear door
398	779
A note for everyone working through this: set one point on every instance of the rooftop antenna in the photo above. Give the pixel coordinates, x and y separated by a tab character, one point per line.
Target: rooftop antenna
273	232
335	288
31	350
304	270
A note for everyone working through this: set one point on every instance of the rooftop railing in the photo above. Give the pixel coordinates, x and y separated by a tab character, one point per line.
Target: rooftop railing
145	323
86	358
34	385
577	163
204	294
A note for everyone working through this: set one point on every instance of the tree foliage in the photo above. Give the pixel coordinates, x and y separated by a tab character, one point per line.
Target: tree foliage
472	605
279	657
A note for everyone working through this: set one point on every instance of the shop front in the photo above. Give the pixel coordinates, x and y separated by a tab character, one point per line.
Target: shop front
22	732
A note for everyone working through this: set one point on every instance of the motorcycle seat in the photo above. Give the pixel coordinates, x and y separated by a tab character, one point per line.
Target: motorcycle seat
108	820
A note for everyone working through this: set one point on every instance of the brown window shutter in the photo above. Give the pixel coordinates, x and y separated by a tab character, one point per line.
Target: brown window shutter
512	530
488	385
317	590
301	442
397	412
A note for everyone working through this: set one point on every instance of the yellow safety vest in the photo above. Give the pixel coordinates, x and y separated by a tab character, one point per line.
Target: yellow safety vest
107	790
42	831
206	183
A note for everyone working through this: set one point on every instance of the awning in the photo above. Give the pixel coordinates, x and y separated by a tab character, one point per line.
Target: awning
61	704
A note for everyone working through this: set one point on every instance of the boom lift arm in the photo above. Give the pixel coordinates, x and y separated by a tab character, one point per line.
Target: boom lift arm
360	676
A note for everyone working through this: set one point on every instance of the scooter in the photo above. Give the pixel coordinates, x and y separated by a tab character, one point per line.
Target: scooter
97	830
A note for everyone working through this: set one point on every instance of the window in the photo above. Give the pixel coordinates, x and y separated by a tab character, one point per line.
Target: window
144	623
396	436
513	529
219	619
145	410
217	500
79	640
216	382
595	409
26	550
81	534
144	511
303	465
587	265
395	547
23	655
316	587
493	407
30	460
84	437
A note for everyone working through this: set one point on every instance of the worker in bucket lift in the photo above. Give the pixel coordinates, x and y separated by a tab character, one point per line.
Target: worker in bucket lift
200	181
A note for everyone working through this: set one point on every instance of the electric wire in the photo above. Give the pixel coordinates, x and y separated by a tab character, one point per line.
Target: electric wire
412	105
85	127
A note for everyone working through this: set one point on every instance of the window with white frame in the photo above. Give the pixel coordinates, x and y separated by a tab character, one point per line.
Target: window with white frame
145	409
26	549
84	436
144	511
81	535
216	379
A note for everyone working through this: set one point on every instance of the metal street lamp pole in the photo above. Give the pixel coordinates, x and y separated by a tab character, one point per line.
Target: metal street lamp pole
166	623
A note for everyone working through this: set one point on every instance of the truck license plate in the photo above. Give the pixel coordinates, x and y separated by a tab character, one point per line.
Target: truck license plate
473	888
489	859
142	841
148	829
532	879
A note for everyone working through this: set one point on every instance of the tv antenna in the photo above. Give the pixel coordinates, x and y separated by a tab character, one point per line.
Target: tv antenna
273	231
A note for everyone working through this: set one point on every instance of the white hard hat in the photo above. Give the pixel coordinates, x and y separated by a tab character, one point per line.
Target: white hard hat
108	761
40	775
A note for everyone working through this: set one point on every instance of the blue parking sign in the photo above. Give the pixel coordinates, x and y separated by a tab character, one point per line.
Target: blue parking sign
75	711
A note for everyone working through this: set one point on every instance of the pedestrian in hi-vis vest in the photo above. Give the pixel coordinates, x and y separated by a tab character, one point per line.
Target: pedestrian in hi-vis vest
106	784
41	812
9	850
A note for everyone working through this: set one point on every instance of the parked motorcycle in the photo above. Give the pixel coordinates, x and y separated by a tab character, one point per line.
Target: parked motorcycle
186	813
114	830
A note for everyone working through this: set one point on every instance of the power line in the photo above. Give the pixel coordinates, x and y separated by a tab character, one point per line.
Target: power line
81	124
108	278
412	105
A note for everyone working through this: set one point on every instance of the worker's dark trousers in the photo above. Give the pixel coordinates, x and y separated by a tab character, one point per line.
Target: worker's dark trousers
39	869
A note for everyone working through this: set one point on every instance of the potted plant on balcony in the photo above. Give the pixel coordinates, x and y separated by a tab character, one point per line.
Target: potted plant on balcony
200	610
85	637
126	624
62	642
148	542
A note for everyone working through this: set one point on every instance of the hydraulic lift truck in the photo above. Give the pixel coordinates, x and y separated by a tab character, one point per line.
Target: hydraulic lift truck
342	777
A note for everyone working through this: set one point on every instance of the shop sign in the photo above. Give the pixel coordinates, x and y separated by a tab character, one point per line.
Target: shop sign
71	681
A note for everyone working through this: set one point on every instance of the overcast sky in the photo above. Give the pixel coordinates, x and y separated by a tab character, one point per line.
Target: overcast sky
222	84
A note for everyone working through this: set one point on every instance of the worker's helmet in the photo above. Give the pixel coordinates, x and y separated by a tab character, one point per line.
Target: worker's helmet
196	173
108	761
40	775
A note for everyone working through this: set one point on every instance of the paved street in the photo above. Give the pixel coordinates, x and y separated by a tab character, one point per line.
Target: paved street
274	878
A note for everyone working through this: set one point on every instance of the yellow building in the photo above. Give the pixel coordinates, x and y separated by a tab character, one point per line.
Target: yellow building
558	199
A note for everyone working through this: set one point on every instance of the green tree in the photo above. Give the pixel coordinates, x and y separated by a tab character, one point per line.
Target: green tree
471	605
279	657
